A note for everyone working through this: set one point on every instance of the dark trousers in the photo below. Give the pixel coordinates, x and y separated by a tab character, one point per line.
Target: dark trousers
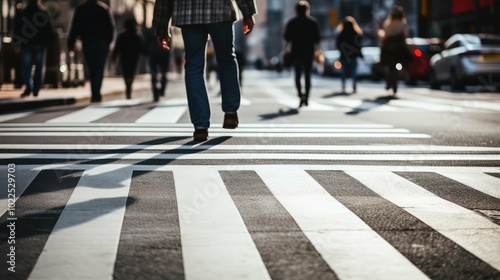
96	54
302	64
159	65
391	78
33	56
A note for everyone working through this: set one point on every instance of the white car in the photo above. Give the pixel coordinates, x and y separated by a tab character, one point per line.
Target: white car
467	59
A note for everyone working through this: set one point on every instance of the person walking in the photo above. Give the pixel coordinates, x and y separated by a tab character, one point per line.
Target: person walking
93	24
198	19
393	46
33	32
128	47
159	64
349	44
303	33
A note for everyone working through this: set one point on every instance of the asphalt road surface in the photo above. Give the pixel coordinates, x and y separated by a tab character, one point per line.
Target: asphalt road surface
354	186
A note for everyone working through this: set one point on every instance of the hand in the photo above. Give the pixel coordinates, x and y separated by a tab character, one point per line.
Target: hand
163	42
248	24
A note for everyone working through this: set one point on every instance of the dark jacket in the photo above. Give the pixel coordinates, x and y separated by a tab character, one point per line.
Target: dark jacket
92	22
129	46
33	27
394	50
303	33
349	44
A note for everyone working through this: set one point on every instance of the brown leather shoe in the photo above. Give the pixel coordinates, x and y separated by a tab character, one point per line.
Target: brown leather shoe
230	121
200	134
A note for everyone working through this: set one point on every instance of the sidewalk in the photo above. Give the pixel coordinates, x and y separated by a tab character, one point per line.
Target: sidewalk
10	100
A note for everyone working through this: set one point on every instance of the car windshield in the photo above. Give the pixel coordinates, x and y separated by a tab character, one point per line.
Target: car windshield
370	52
490	41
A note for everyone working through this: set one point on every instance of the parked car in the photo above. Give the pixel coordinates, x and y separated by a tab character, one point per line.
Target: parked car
422	49
371	55
467	59
333	66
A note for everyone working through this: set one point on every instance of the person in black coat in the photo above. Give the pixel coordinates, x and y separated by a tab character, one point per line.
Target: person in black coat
33	32
303	33
94	26
129	46
159	64
349	45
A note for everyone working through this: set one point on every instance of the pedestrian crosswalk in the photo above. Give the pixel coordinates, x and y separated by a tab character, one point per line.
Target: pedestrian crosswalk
98	199
172	110
253	222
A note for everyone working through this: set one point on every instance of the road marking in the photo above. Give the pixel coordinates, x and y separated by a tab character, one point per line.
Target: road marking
468	229
256	156
215	125
254	167
8	117
482	182
215	241
88	230
166	112
343	239
95	112
86	115
297	148
24	176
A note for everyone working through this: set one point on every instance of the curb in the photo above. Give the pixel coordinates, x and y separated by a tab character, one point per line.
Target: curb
13	106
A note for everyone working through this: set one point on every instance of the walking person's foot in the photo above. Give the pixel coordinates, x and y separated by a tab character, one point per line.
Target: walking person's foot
200	134
230	120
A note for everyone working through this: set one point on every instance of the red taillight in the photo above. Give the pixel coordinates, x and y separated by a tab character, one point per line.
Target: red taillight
417	52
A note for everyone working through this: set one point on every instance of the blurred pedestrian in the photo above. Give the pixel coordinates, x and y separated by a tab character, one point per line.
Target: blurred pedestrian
394	52
349	44
33	32
93	24
128	47
303	33
177	46
198	19
159	64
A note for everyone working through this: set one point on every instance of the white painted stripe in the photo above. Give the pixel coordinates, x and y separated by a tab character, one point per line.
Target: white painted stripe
344	241
250	167
85	115
466	228
426	106
23	177
362	105
256	156
167	112
215	241
84	241
485	183
8	117
221	134
215	125
111	128
351	148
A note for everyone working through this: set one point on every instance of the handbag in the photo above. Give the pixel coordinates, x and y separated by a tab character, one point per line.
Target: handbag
287	59
319	57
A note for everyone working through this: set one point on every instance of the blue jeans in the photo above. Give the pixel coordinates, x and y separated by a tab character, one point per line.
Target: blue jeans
32	55
349	67
195	42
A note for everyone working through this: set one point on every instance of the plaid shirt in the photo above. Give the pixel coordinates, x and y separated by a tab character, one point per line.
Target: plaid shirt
186	12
